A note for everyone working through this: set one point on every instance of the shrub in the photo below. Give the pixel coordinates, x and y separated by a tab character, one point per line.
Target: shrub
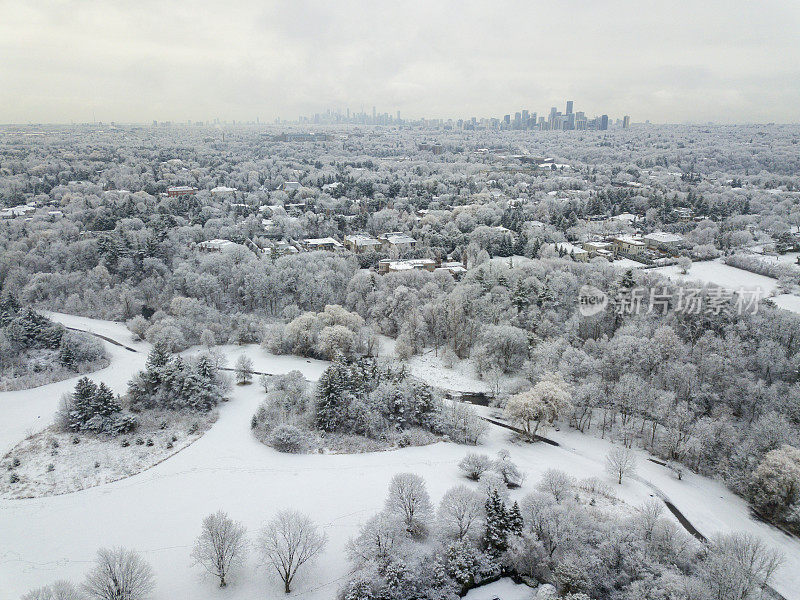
475	465
287	438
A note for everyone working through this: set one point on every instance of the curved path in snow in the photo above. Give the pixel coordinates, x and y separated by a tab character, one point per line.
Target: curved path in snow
158	512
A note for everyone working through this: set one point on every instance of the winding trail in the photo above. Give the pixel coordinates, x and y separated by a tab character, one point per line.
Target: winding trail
158	511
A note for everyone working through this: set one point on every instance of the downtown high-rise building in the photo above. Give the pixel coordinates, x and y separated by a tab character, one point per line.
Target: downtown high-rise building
569	107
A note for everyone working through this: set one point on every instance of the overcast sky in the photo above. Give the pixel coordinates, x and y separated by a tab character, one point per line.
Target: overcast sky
137	60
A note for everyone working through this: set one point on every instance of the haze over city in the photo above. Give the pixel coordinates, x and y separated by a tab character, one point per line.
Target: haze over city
134	62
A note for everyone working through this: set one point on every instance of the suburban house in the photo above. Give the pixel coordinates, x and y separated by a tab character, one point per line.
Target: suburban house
221	190
215	245
627	244
574	252
326	243
412	264
397	239
290	186
279	248
454	267
666	242
181	190
360	242
599	248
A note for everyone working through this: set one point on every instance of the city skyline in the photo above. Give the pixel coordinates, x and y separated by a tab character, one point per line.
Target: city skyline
686	62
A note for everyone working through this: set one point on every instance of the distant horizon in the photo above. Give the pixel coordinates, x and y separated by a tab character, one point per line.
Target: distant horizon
405	122
686	62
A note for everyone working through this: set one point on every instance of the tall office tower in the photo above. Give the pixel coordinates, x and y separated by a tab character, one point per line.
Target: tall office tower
373	114
525	117
533	119
569	107
604	122
626	121
398	115
507	119
570	124
553	111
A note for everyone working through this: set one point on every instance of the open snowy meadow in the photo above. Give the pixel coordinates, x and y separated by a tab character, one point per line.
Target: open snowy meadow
158	511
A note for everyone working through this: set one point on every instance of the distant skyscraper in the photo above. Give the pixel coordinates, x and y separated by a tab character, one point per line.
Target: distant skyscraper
374	114
569	107
507	119
604	122
626	121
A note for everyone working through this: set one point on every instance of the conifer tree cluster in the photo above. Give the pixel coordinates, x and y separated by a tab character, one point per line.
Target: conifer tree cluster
174	383
501	522
364	398
95	408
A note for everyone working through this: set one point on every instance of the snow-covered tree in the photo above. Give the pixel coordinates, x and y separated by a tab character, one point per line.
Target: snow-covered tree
408	499
244	369
539	406
621	462
289	541
475	465
221	546
119	574
459	512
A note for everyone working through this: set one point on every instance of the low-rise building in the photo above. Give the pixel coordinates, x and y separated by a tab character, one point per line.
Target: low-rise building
326	243
397	239
289	186
361	242
181	190
279	248
215	245
575	252
627	244
661	240
454	267
599	248
412	264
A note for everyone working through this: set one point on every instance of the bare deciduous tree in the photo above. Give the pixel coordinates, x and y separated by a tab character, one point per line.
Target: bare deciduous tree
739	565
557	483
459	512
244	369
221	546
409	499
621	462
119	574
60	590
289	541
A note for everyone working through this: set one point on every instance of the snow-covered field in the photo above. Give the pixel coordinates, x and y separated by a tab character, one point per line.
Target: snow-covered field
722	275
158	512
51	463
504	588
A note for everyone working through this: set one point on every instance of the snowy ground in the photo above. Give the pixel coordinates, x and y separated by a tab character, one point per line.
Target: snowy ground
717	273
51	463
504	588
627	263
158	511
722	275
430	368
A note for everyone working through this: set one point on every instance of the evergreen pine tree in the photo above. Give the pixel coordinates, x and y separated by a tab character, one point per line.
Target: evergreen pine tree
628	282
331	391
515	521
520	298
496	536
83	400
105	403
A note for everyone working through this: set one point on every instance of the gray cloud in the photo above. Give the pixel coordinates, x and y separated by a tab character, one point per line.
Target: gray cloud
134	61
